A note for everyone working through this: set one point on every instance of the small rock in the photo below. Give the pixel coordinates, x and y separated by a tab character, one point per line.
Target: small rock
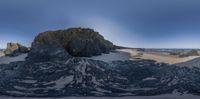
15	49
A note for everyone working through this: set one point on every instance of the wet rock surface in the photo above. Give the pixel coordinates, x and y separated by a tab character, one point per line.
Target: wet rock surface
85	77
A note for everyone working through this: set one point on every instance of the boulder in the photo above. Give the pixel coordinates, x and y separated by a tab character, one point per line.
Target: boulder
15	49
78	42
47	52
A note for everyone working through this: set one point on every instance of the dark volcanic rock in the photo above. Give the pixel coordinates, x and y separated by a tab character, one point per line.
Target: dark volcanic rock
78	42
85	77
191	63
14	49
47	52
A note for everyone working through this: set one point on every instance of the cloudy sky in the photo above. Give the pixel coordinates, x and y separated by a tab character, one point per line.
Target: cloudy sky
133	23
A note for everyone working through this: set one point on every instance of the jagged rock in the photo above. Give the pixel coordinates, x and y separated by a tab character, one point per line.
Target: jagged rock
191	63
80	42
85	77
14	49
47	52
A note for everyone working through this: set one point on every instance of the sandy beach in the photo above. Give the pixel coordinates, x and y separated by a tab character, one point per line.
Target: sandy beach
159	57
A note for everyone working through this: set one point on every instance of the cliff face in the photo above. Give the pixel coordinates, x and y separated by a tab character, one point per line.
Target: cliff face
78	42
14	49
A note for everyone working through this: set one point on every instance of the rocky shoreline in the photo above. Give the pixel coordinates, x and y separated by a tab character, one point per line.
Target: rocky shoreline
51	70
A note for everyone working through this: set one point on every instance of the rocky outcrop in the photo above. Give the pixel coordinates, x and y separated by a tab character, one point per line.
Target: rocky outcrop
78	42
14	49
189	53
185	53
47	52
191	63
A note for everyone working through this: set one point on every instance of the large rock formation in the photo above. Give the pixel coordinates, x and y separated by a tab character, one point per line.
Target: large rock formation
79	42
14	49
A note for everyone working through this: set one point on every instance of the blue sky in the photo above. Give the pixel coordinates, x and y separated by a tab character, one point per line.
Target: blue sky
132	23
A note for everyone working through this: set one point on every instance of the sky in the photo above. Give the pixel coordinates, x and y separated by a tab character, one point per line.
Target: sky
131	23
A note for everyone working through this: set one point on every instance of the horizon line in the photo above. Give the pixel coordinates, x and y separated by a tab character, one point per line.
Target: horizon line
141	48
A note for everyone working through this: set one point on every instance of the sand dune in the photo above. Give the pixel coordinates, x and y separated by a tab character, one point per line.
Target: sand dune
159	57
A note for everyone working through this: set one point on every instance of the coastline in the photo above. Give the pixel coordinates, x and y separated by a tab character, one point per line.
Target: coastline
158	56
